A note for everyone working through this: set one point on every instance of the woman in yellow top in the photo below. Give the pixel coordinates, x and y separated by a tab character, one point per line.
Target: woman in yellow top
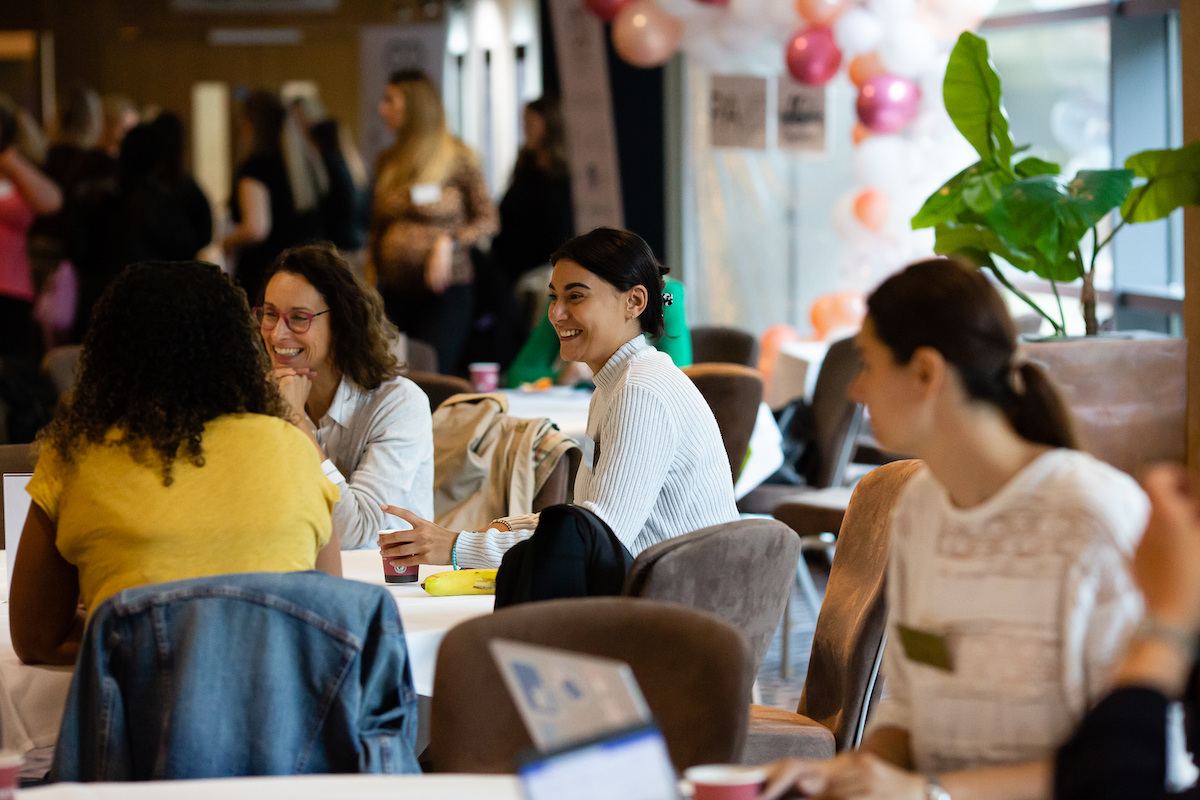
171	460
431	205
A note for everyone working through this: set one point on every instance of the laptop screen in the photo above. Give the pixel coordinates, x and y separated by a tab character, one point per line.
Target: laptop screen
633	765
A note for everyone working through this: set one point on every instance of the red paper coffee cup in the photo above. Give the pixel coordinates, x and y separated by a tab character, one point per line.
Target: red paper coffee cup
10	773
725	782
485	376
393	572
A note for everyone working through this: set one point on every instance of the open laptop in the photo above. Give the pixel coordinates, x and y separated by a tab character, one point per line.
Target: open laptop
593	731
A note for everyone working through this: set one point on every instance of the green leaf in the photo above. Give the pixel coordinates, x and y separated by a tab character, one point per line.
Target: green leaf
1173	180
1031	166
973	189
972	96
1046	217
945	204
1095	192
983	189
976	242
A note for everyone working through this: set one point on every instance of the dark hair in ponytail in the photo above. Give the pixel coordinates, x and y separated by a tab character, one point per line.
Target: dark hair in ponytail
624	260
953	308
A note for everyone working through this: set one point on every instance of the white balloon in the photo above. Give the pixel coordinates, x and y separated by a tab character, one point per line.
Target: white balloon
892	9
856	32
907	49
884	162
845	224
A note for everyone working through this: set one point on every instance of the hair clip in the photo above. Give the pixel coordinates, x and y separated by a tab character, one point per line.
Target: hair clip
668	298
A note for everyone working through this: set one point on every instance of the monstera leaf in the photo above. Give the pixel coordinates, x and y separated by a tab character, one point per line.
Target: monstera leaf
972	95
1173	180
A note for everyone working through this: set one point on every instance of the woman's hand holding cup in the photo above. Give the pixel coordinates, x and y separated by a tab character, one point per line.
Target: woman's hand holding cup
426	543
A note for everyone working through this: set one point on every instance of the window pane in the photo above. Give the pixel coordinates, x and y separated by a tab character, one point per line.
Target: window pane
1006	7
1055	81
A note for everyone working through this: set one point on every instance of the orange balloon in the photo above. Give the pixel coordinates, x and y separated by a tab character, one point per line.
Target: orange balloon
861	133
820	12
872	208
865	67
644	35
837	313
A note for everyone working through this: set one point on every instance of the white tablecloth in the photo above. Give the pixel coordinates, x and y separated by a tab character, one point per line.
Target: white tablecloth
32	697
568	408
304	787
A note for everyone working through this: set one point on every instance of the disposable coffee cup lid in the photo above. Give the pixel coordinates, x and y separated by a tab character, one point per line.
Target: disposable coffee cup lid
10	758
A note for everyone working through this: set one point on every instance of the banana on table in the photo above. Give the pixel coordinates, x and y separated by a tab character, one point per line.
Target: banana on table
461	581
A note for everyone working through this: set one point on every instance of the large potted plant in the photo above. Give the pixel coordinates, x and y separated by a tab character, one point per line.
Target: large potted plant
1022	210
1128	396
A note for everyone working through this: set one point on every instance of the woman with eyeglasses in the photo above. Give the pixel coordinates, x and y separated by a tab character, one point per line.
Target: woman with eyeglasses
330	347
169	461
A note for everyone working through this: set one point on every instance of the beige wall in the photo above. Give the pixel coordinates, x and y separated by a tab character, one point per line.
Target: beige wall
1190	35
142	49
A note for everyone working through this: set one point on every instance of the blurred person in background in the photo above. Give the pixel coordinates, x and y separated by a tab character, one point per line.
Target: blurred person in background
25	192
269	214
73	160
170	169
344	200
137	217
120	114
536	214
431	205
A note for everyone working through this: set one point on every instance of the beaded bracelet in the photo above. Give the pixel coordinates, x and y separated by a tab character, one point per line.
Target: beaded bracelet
454	555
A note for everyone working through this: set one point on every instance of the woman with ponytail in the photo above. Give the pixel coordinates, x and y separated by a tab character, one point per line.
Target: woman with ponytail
1009	597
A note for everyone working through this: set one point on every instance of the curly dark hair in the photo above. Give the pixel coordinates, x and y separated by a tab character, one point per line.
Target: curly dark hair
362	334
170	347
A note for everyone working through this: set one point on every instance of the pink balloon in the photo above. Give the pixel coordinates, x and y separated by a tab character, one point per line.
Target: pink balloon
888	103
644	35
812	55
606	10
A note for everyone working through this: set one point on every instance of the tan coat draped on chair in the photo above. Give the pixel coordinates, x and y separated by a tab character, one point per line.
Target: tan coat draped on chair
488	465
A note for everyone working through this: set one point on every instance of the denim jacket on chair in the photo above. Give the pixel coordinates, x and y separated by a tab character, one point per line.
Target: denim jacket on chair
251	674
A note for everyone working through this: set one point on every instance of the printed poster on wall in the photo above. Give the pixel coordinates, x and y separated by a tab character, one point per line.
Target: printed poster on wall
382	50
739	111
587	116
801	116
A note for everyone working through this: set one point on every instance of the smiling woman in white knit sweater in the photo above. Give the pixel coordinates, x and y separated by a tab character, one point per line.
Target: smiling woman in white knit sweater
654	466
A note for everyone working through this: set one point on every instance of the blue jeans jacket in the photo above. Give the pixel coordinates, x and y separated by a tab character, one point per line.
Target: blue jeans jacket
252	674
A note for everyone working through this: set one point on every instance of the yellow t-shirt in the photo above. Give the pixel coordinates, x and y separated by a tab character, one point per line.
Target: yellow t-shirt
260	503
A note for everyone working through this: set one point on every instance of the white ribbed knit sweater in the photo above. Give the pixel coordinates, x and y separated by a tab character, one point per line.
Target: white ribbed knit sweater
661	469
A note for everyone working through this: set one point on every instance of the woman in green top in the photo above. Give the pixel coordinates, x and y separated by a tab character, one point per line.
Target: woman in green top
539	357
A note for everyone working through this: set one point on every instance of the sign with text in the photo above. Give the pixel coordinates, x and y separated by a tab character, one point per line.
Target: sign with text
739	111
587	116
801	116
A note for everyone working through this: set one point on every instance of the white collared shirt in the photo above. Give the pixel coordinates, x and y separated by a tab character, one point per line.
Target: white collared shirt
383	441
